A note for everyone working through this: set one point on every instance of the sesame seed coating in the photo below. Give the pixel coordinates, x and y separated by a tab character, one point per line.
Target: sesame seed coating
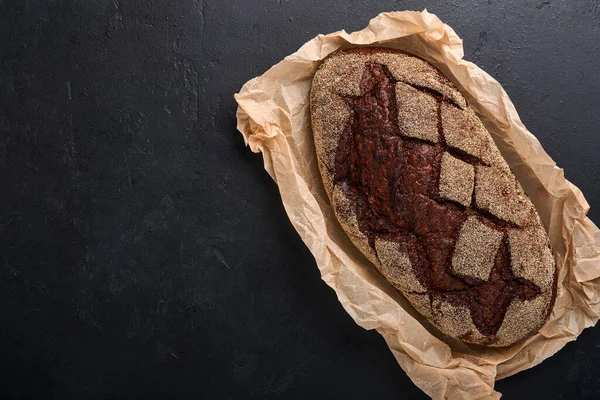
501	195
523	316
447	315
529	260
417	113
418	72
457	179
396	266
476	249
463	130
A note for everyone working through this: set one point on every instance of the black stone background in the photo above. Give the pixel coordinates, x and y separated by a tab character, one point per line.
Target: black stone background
144	252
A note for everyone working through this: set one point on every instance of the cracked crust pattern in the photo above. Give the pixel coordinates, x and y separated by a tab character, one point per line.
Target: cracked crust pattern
420	188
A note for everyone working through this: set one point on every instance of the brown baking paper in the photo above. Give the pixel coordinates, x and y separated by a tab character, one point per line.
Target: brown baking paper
273	115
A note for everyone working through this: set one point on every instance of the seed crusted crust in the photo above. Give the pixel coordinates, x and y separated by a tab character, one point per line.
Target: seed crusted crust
421	189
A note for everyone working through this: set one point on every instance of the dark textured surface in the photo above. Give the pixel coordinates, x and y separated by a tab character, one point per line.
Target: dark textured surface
144	251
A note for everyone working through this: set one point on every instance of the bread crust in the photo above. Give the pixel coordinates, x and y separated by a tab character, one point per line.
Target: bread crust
419	186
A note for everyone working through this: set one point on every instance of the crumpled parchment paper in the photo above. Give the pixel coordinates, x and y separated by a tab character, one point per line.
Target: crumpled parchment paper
273	116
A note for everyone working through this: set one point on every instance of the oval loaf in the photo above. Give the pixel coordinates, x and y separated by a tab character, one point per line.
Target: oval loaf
421	189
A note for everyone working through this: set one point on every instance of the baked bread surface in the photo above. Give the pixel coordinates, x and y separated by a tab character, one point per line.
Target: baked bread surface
419	186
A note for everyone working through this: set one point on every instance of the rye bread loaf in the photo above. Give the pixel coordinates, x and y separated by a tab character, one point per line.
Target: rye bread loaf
421	189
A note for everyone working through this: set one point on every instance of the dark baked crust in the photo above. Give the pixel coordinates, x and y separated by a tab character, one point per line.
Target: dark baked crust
420	188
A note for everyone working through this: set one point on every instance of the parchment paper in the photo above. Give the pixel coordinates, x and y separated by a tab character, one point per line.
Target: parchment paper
273	116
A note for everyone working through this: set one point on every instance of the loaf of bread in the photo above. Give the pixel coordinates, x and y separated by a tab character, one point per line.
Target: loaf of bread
419	186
